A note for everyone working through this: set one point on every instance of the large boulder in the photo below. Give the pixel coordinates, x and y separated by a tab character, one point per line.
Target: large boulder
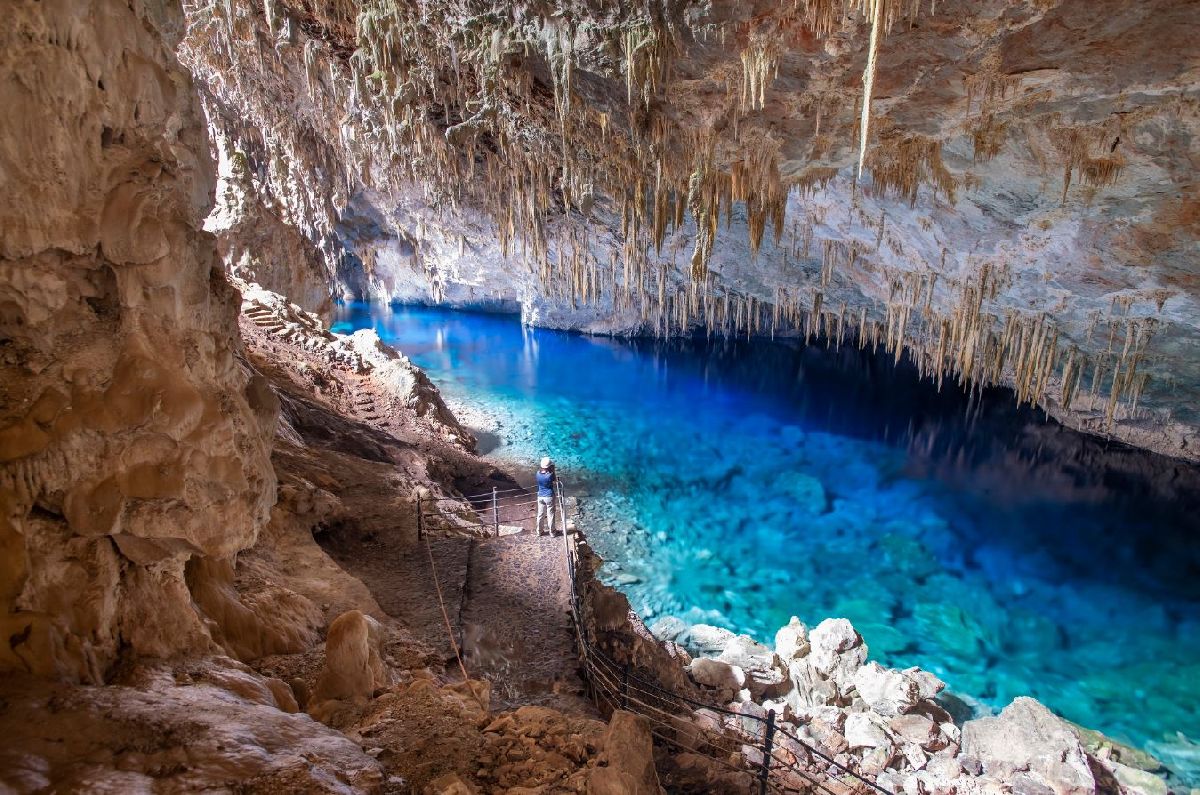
791	641
890	692
837	652
1030	747
626	763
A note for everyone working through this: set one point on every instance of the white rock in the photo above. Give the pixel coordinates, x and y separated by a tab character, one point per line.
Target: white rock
764	672
916	729
791	641
837	651
703	640
887	691
1026	736
863	730
714	673
810	688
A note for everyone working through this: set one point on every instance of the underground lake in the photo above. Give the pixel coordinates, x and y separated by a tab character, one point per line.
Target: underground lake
738	483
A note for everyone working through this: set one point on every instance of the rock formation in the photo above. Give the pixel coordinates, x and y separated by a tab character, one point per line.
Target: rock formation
132	440
1017	211
1018	208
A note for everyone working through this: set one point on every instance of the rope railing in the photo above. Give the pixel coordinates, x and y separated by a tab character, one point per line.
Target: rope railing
773	757
522	501
772	743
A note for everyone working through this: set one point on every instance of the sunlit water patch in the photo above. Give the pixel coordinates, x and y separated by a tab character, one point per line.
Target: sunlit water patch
738	484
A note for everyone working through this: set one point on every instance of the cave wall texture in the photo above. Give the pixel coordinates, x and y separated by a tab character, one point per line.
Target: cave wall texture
1026	212
132	440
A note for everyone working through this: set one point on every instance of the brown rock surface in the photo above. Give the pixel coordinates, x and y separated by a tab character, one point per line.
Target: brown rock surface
130	439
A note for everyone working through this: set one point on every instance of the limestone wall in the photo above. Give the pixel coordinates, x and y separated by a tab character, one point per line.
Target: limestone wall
130	438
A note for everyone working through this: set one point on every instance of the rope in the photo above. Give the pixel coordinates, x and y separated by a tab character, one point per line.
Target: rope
449	630
603	673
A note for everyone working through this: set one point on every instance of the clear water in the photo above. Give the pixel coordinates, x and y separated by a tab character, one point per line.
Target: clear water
738	484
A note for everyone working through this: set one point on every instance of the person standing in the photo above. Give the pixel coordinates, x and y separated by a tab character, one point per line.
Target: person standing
545	495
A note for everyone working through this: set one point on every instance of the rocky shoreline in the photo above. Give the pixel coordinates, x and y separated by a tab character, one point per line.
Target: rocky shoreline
900	728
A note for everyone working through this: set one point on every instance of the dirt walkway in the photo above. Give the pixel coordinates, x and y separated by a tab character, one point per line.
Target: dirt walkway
507	598
516	624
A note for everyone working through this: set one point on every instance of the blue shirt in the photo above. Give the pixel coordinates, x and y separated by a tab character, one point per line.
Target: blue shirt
545	482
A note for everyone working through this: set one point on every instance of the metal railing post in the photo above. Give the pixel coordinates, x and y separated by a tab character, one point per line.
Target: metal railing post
562	509
420	519
495	513
768	742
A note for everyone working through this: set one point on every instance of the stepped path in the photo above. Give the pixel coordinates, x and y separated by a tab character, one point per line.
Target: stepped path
507	596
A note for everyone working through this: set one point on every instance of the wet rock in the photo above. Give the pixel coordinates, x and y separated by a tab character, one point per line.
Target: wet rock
1137	782
806	490
1027	738
947	626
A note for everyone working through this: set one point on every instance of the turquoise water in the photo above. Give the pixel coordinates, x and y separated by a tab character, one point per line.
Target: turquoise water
738	484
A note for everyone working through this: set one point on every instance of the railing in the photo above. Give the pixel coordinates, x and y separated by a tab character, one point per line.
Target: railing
487	506
764	748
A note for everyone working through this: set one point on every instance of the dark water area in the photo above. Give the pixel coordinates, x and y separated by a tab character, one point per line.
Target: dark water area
737	483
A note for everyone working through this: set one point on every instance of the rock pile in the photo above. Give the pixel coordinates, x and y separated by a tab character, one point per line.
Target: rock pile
890	725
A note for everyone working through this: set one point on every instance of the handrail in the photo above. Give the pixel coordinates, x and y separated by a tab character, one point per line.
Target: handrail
602	673
624	688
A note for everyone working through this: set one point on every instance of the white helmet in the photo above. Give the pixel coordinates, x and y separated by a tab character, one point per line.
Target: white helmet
546	462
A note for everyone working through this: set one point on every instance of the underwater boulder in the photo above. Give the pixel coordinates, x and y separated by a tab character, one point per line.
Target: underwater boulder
949	629
804	491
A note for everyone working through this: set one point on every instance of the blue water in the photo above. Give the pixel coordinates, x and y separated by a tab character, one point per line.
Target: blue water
738	484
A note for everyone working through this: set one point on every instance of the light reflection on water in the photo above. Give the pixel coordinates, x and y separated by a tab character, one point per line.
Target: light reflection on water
739	484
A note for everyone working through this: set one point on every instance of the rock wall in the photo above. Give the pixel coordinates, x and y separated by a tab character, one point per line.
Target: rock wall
131	439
